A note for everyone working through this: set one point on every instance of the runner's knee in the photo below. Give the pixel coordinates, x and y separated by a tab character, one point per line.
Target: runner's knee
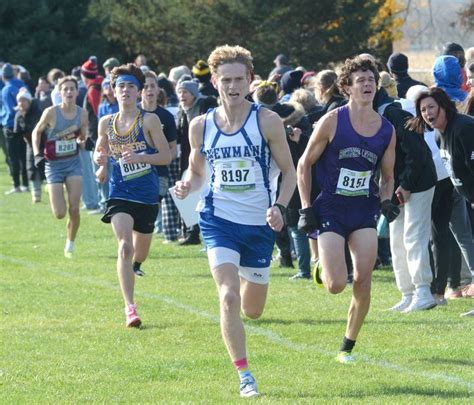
335	286
230	300
74	210
362	283
125	249
59	213
252	312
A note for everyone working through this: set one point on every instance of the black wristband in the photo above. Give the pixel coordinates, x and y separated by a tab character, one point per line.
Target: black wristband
281	208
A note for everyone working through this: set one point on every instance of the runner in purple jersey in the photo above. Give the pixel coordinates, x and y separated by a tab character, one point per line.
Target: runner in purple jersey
349	145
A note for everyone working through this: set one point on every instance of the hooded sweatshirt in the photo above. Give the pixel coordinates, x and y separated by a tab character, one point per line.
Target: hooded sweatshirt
448	76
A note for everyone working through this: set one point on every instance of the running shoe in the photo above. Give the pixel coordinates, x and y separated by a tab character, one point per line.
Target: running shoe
300	276
421	304
68	253
248	387
403	304
133	320
316	272
345	358
138	271
469	313
13	191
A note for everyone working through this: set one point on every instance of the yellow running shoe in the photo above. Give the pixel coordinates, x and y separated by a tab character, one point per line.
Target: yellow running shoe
68	254
316	272
345	358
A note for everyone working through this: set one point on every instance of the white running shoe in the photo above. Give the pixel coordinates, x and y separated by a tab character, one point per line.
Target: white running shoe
248	387
421	304
403	304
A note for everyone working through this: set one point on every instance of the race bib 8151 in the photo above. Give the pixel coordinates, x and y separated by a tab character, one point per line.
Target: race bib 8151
353	183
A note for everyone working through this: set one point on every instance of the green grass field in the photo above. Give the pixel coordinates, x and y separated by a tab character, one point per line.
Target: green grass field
63	338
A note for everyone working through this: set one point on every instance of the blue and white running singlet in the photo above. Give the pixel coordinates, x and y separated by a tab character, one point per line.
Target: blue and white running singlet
240	166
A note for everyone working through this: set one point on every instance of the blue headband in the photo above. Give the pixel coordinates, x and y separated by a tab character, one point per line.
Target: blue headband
129	79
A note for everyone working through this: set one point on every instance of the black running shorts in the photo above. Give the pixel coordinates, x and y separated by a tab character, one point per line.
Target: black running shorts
144	215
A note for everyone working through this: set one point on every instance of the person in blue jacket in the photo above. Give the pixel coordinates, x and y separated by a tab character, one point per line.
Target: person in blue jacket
15	145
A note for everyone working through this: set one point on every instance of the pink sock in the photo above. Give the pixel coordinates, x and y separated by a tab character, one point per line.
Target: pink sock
241	364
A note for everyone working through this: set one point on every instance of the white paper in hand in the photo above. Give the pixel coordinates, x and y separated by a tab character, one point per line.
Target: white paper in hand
187	206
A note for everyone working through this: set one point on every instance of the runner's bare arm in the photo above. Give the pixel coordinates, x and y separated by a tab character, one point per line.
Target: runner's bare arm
40	127
274	133
196	173
322	134
101	151
386	170
154	134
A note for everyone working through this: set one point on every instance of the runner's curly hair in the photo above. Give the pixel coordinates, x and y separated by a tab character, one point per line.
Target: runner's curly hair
354	65
128	69
230	54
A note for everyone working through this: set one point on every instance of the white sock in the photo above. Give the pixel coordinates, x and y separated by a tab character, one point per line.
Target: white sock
69	245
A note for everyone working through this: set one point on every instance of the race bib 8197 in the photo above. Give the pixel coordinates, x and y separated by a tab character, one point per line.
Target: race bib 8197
235	175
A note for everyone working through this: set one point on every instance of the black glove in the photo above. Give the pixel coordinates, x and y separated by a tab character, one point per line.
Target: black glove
89	144
389	210
307	222
39	160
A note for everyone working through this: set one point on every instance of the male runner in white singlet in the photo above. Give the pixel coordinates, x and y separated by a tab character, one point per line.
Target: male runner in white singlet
242	143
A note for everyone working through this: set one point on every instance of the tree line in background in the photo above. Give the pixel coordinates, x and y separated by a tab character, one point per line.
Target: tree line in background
42	34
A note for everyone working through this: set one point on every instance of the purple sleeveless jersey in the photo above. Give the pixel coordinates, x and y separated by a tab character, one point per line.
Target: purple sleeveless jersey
355	153
345	172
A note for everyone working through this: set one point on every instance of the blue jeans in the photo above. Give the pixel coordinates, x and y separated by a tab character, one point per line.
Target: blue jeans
302	250
90	192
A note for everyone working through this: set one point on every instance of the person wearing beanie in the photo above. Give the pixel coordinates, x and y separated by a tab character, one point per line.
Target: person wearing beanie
191	104
15	146
176	73
109	64
202	72
27	116
93	81
191	86
290	81
89	69
398	67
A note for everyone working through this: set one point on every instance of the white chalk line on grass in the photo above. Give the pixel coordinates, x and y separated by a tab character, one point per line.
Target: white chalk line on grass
257	330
